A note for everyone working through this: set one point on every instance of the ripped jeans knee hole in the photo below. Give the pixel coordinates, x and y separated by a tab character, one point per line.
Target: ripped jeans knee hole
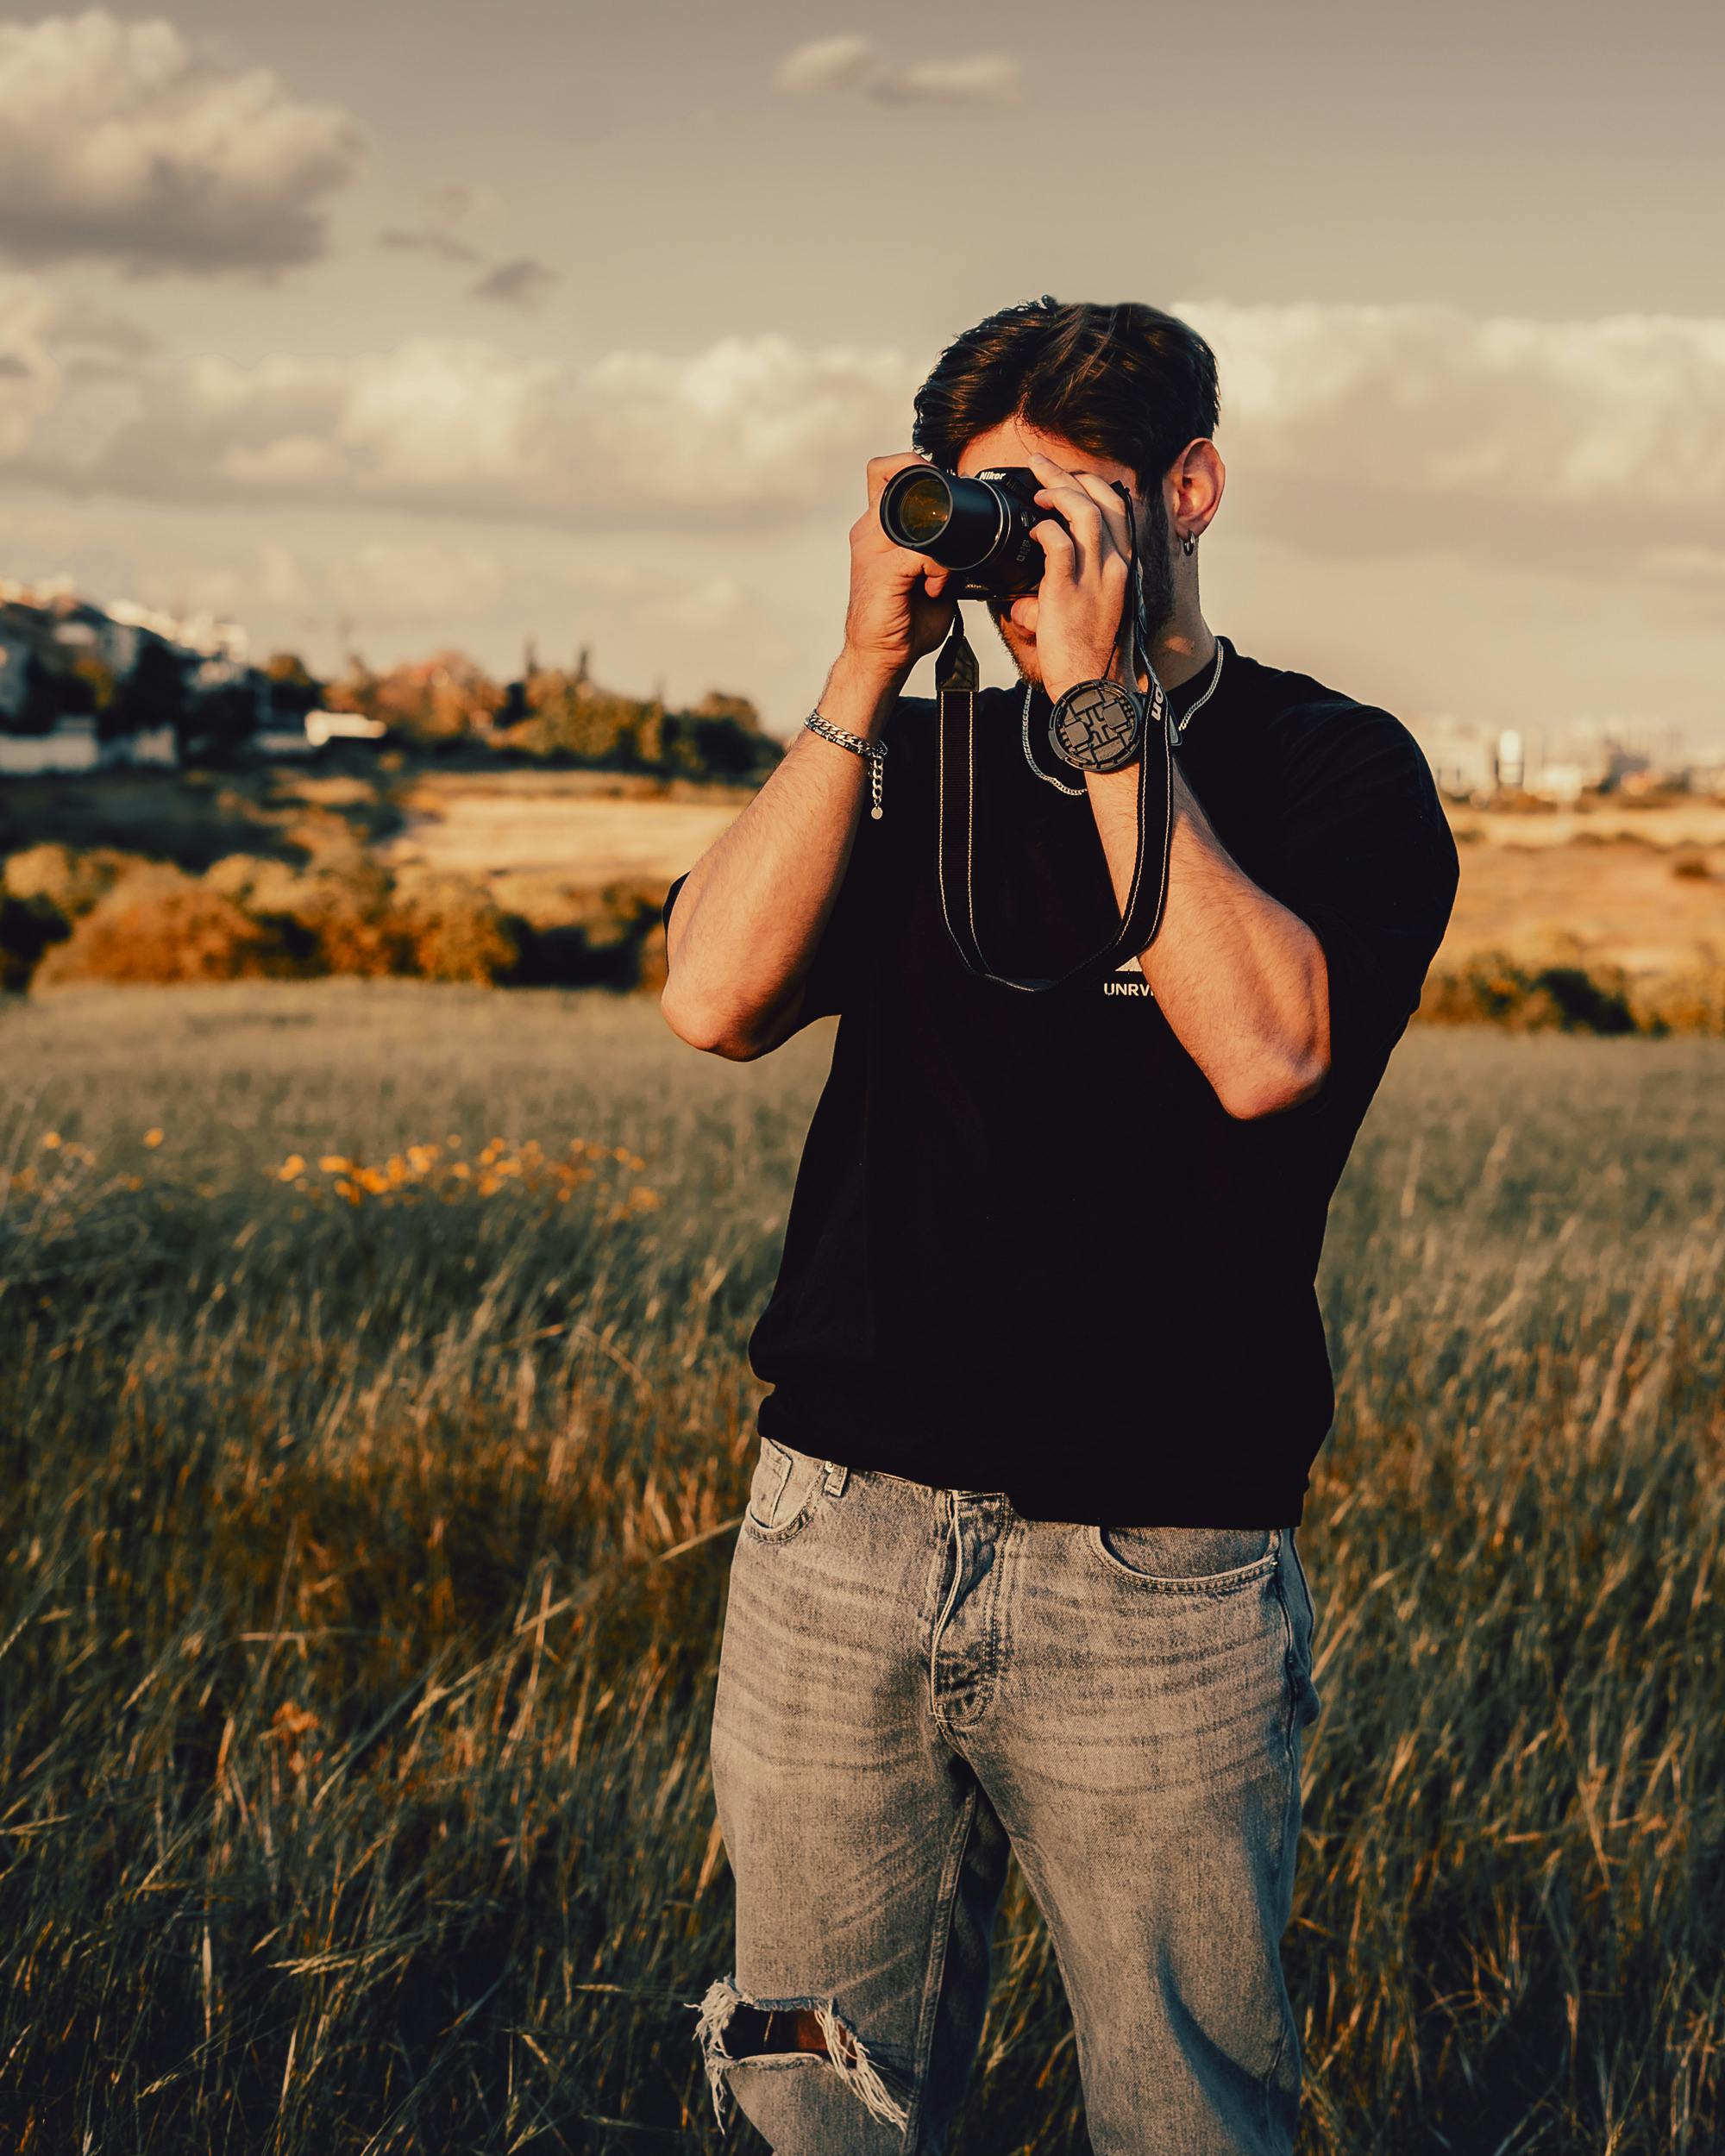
735	2031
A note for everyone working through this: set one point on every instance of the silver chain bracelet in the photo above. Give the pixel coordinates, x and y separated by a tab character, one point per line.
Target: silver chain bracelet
873	751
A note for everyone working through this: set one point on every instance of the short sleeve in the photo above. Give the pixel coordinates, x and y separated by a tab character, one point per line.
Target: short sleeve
839	969
1369	862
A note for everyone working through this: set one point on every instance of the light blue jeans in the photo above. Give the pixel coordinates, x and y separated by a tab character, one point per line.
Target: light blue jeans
914	1681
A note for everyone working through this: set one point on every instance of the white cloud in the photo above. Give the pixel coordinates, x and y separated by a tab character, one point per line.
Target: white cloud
826	63
988	78
851	62
1347	430
756	423
752	429
119	141
1625	413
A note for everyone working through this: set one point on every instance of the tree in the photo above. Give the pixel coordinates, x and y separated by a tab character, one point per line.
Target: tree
439	698
153	694
45	701
294	689
102	685
721	704
219	720
354	689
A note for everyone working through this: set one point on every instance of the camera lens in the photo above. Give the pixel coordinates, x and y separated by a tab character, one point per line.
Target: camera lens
956	522
924	509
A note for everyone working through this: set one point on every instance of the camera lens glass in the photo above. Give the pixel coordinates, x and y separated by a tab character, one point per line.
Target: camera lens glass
922	508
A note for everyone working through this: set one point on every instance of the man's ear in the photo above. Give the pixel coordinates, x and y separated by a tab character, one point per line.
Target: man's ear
1209	460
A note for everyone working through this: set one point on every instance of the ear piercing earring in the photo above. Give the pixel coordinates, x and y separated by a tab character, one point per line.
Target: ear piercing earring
1188	545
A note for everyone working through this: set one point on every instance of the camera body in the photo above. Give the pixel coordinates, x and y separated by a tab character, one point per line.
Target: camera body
979	528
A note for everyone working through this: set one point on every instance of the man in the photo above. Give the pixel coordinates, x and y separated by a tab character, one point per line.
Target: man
1017	1569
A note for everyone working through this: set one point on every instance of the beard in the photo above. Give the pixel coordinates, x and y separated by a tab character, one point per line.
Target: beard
1156	570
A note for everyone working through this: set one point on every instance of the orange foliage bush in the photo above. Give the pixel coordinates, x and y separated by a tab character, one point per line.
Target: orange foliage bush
455	929
163	926
70	879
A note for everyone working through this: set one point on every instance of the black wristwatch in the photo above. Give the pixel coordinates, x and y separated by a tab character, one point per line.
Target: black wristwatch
1097	726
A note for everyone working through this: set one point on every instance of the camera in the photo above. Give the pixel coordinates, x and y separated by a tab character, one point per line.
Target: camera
979	527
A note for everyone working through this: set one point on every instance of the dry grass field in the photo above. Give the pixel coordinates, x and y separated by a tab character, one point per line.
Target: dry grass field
1643	888
375	1420
542	840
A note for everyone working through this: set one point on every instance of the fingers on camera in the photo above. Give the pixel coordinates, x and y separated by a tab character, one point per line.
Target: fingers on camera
1055	542
881	468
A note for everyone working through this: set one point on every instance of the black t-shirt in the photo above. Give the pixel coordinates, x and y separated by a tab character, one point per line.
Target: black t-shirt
1028	1250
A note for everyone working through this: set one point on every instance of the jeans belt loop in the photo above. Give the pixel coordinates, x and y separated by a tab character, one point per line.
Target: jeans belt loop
837	1474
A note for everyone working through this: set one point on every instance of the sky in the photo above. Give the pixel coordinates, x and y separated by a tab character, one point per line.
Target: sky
391	327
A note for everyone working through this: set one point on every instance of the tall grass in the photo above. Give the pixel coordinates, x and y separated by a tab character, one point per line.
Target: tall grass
364	1558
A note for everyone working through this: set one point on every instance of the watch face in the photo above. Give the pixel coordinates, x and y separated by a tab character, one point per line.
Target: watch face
1097	726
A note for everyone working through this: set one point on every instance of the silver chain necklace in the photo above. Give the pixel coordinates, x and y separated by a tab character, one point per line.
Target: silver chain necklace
1178	726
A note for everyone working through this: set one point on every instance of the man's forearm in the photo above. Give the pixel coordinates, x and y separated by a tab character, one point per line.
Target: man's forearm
751	912
1240	979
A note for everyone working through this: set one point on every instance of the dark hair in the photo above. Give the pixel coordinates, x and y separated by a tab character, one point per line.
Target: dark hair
1127	382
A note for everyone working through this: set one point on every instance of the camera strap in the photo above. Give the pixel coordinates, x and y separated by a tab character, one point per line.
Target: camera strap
957	677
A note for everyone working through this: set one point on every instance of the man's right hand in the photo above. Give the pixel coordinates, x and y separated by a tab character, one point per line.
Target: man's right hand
755	906
898	611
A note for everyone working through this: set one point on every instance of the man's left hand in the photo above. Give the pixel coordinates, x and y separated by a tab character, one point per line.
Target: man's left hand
1083	623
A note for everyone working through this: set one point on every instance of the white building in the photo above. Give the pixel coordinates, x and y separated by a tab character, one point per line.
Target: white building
204	634
72	746
1463	756
321	727
1511	761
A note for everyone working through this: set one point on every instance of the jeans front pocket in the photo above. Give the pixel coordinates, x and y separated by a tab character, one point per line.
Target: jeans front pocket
783	1492
1188	1560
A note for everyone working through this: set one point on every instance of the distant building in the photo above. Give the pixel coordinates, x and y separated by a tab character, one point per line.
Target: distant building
1705	774
204	634
320	729
322	726
153	745
72	746
1561	782
1462	757
1476	763
1510	764
48	623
